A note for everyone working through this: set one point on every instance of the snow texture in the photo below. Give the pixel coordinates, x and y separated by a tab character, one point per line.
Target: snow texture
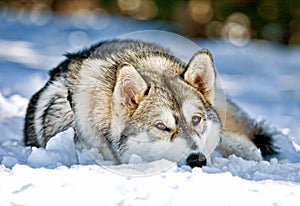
261	77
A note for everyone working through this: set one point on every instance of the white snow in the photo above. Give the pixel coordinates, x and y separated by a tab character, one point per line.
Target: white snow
262	78
93	185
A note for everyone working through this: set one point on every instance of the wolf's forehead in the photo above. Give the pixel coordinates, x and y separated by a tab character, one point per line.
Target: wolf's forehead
178	100
183	93
191	107
159	63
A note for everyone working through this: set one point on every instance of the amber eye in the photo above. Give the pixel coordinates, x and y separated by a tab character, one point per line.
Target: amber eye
196	120
161	126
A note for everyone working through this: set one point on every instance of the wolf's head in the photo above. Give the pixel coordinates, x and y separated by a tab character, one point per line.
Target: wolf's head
161	115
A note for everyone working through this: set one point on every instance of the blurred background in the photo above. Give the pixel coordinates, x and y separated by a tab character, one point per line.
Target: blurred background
271	20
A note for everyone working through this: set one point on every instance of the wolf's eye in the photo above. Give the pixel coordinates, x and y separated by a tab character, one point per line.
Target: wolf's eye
196	120
161	126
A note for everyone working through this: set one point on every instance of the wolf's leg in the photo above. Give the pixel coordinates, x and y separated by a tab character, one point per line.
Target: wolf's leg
48	113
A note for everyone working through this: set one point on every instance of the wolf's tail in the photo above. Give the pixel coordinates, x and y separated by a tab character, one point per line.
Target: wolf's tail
263	138
48	113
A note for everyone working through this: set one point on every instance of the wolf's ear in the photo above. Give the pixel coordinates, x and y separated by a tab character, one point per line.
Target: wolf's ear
200	74
130	86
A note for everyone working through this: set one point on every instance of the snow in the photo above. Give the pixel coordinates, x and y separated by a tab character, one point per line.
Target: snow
93	185
262	78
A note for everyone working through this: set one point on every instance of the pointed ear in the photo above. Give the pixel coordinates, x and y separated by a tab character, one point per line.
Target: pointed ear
130	86
200	74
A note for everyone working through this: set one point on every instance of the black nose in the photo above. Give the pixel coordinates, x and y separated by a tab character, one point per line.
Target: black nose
196	160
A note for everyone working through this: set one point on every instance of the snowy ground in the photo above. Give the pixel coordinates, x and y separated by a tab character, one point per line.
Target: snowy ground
262	78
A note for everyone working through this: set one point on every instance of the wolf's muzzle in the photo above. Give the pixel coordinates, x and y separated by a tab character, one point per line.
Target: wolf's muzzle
196	160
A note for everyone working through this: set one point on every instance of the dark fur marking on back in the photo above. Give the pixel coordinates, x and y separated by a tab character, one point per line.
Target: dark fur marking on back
59	70
70	99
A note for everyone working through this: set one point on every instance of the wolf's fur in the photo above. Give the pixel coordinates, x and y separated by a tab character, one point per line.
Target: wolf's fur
128	97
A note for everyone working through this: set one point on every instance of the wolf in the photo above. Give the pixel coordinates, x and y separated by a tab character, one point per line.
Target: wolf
128	97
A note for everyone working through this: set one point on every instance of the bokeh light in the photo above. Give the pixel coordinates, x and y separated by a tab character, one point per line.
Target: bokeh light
236	20
201	10
268	9
139	9
237	29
